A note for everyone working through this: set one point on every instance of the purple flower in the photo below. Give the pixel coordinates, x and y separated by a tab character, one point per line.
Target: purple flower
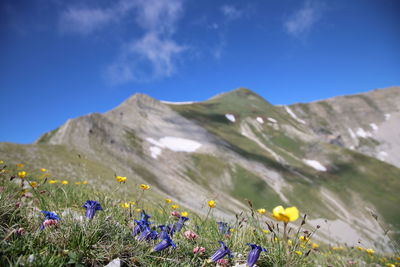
170	229
223	227
50	218
163	232
166	242
145	216
91	207
221	252
139	227
254	254
178	226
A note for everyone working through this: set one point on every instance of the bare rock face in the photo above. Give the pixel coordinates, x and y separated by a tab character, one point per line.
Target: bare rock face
327	157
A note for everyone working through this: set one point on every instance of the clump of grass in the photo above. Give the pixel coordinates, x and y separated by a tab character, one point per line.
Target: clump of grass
76	240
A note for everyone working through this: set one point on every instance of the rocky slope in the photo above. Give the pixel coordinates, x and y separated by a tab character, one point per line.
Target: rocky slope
335	159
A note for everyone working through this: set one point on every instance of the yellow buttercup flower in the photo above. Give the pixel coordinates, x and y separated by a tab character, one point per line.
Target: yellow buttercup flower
370	251
168	201
43	170
289	242
124	205
304	238
144	186
120	179
52	181
64	182
286	215
261	211
266	231
22	174
78	183
314	245
174	207
85	182
232	230
298	252
20	165
33	184
138	210
184	213
390	265
132	203
359	248
211	203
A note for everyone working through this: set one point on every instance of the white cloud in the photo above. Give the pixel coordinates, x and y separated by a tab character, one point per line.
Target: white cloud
151	56
86	20
231	12
304	19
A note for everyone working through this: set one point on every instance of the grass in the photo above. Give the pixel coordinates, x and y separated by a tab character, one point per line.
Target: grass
82	242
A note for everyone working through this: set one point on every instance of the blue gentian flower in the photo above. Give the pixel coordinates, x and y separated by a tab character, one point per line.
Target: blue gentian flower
163	231
139	227
223	227
145	216
166	242
144	235
48	215
170	229
91	207
254	254
180	223
221	252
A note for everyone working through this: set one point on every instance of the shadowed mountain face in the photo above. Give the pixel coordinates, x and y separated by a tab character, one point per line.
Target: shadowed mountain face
336	159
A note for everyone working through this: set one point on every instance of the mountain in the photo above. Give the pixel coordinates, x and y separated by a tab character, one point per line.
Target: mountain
335	159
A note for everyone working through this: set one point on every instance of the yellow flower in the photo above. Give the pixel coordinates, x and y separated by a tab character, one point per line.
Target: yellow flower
120	179
144	186
33	184
370	251
390	265
261	211
314	245
138	210
359	248
298	252
167	200
124	205
77	182
304	238
276	239
43	170
265	231
174	207
232	230
64	182
22	174
286	215
20	165
132	203
85	182
211	203
52	181
184	213
289	242
1	162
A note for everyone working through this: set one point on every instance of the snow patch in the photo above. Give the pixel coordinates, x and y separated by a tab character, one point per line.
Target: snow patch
362	133
382	155
352	134
178	103
155	151
315	164
176	144
260	120
230	117
272	120
374	126
387	116
291	113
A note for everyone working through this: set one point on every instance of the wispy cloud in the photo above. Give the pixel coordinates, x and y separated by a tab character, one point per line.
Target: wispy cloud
85	20
303	20
152	56
231	12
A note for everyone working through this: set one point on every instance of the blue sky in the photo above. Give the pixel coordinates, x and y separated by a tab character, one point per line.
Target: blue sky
63	59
